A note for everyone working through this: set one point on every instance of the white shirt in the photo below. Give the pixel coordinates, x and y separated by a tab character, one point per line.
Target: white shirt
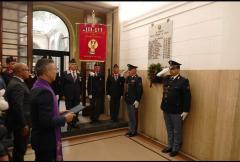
174	77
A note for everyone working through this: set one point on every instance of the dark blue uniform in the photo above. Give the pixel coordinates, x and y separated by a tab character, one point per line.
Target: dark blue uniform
95	87
114	88
134	93
176	99
176	95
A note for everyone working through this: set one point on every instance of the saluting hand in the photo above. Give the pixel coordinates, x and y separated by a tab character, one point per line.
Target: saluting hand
165	70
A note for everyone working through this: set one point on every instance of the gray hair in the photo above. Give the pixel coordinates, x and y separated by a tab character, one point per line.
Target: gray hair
41	65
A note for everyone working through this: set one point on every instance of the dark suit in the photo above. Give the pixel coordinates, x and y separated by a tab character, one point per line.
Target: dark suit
7	76
18	114
176	99
56	86
72	90
114	88
43	138
133	93
95	87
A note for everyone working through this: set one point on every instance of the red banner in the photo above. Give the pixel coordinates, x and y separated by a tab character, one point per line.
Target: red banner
92	42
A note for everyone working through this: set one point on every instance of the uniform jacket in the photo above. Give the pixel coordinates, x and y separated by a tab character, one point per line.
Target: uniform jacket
114	88
176	95
18	97
95	85
71	87
134	89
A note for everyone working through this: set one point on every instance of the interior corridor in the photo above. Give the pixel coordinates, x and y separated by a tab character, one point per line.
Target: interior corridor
111	146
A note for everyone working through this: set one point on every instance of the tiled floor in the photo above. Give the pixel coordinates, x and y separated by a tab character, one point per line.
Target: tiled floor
110	145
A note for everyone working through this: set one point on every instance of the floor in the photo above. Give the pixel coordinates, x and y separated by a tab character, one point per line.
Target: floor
82	119
111	145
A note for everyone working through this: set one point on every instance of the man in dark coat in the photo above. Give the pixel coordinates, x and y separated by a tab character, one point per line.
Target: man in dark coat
71	82
18	114
175	104
8	73
46	119
95	87
114	91
133	96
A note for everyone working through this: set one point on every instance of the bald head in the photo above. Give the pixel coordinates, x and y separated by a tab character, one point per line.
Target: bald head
21	70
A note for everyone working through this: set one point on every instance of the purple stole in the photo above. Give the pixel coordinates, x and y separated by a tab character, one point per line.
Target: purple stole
40	83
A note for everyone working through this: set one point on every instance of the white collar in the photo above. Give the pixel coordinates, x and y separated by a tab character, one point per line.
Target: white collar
70	71
19	78
174	77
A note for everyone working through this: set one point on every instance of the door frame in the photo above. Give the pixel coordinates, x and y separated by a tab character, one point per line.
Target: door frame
53	53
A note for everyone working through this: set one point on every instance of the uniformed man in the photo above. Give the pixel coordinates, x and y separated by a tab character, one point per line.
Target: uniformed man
95	87
175	105
114	90
132	98
8	73
71	82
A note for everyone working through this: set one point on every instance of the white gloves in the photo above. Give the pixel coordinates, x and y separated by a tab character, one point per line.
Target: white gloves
165	70
184	115
136	104
109	97
91	73
3	102
124	73
90	96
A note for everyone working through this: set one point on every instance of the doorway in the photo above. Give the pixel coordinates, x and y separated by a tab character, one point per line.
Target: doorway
60	58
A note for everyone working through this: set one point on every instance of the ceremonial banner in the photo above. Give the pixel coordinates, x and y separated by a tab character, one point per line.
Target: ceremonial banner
92	42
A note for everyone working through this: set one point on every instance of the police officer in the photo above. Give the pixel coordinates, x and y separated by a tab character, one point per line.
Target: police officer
114	90
71	82
132	98
175	105
95	87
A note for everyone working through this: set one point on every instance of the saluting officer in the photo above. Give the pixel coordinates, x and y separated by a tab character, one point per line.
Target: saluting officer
71	82
132	98
175	105
114	90
95	87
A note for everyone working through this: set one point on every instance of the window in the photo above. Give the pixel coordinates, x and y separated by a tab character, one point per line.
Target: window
49	32
15	23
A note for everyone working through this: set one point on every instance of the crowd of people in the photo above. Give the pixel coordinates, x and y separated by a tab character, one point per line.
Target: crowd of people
29	104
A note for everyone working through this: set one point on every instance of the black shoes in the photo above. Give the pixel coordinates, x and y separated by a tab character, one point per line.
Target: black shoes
167	150
95	121
174	153
131	134
127	134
